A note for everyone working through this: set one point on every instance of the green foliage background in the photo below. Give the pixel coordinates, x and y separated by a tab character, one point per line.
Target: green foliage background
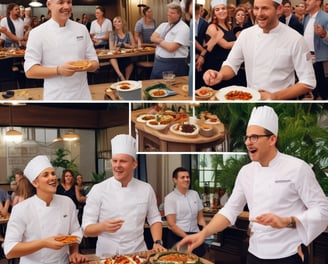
301	134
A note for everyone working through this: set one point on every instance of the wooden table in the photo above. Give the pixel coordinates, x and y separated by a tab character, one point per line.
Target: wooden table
102	54
151	140
98	91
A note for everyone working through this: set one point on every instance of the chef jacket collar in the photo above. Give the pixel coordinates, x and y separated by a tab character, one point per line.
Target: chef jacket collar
118	184
272	162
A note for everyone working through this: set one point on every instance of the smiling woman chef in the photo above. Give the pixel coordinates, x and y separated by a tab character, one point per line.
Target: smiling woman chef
37	224
286	204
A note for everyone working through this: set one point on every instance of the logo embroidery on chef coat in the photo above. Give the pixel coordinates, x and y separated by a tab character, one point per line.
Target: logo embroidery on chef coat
79	38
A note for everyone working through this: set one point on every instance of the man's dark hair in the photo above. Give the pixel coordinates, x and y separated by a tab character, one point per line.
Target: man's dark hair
177	170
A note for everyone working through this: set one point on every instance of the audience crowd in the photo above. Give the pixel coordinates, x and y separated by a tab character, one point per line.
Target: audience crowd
217	31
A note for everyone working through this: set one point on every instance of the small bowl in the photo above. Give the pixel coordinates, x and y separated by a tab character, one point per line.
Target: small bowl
156	125
206	130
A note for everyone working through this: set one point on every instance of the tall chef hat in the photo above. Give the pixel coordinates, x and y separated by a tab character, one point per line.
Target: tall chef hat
124	144
214	3
36	166
277	1
266	117
28	9
200	2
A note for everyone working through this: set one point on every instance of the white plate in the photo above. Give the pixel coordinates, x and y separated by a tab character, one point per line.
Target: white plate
176	131
208	94
156	127
133	85
256	96
163	92
142	119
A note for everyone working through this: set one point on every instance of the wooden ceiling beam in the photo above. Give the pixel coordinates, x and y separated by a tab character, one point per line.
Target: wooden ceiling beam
44	115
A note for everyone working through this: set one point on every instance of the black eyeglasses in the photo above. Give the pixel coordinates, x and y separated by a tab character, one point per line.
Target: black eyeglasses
254	138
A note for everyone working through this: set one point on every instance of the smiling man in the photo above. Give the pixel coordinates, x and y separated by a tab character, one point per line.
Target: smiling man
287	207
272	53
38	223
116	209
51	48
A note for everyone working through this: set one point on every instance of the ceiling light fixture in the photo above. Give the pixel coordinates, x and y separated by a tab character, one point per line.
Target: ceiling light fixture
13	135
71	136
35	3
58	138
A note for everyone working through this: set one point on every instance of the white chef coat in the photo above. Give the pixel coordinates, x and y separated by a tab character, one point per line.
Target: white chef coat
51	45
32	220
185	207
271	58
134	203
287	187
179	33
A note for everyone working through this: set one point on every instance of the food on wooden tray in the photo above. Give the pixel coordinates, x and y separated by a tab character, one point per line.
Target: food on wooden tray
148	117
121	259
175	258
67	239
238	95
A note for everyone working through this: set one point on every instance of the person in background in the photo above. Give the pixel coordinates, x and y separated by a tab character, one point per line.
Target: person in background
67	186
27	18
250	18
220	40
19	174
80	195
272	52
316	37
223	197
289	18
85	21
183	210
34	23
4	203
172	42
239	21
50	57
116	209
145	27
22	12
325	8
300	11
122	38
11	192
201	26
42	19
100	29
23	191
37	225
13	24
287	207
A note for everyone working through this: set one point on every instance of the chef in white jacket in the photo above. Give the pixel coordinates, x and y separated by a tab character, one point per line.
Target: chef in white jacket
36	224
117	208
287	207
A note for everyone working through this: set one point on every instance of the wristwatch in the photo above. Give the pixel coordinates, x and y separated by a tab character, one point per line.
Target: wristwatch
160	242
292	223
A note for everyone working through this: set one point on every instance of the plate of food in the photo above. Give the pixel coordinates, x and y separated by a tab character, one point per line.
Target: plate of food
158	91
125	85
187	130
122	259
174	257
67	239
204	93
238	93
80	64
145	117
